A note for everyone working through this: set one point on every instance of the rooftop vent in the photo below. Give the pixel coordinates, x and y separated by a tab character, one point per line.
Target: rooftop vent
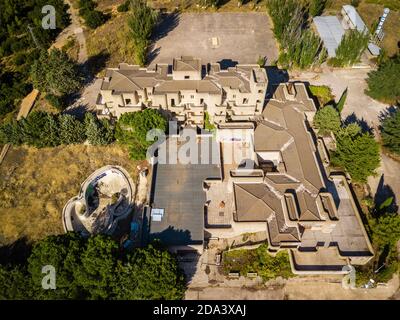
157	214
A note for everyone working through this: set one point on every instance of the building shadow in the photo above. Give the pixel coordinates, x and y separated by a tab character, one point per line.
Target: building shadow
275	76
170	235
227	63
365	127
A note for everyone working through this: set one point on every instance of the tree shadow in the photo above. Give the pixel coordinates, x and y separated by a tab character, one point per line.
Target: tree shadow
388	112
16	252
365	127
78	111
167	23
384	192
93	65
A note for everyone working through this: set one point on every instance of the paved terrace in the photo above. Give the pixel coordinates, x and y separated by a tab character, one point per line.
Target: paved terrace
242	37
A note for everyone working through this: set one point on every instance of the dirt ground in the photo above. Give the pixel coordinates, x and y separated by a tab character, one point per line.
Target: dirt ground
36	184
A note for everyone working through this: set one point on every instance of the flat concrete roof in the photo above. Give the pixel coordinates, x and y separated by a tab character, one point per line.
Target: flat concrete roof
178	189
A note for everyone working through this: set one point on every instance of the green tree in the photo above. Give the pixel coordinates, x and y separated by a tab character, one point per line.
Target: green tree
10	133
327	119
317	7
350	49
386	230
32	129
149	273
132	129
55	73
72	131
342	101
96	273
98	132
63	253
390	131
357	152
300	47
384	83
141	23
15	283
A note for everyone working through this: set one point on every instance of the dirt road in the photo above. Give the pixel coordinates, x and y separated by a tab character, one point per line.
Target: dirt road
74	29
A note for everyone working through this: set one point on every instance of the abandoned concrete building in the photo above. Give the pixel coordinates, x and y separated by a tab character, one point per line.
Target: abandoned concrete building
271	176
186	92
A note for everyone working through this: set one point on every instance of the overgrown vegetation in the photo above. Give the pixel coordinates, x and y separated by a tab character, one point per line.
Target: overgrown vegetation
37	183
257	260
56	74
141	22
384	83
95	268
207	123
93	18
132	129
322	93
21	39
350	49
390	131
384	228
41	129
357	152
300	47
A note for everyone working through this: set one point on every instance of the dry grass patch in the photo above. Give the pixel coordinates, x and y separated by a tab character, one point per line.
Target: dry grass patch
36	184
112	39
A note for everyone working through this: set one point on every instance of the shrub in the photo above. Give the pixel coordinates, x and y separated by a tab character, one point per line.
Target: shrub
94	19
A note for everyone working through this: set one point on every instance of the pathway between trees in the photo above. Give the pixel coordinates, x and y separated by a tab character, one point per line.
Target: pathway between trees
74	29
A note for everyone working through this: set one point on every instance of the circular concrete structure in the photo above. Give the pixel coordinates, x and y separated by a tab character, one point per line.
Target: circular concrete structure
106	197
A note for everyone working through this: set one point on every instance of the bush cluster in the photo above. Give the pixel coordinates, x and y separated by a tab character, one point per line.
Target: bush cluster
41	129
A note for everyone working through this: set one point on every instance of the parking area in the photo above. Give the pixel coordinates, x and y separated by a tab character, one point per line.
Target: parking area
214	37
